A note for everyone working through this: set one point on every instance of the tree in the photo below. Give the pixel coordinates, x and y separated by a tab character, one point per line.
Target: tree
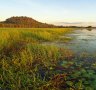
89	27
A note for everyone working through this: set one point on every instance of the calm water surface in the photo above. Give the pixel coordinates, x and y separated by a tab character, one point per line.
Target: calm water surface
84	40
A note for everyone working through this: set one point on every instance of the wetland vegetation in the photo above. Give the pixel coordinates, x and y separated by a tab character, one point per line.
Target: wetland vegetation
46	59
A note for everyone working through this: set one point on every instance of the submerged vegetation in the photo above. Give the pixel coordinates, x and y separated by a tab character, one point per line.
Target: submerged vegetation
26	64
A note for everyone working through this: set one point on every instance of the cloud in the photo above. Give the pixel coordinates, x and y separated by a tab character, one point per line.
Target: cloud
76	23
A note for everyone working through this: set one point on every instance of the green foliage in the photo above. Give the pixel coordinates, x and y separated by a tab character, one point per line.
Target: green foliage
26	64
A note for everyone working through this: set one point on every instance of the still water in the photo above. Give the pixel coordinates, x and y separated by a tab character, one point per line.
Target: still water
83	40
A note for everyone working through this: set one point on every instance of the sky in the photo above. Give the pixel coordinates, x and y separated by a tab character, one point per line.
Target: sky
50	11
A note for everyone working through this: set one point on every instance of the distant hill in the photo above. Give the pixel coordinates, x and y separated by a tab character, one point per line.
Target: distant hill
24	22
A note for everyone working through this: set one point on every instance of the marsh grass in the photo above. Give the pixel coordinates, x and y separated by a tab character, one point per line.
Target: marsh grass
25	64
22	58
29	67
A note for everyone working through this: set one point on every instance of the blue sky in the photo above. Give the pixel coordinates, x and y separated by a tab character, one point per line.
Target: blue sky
50	11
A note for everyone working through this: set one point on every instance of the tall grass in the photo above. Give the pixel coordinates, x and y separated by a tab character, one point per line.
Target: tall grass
24	63
30	67
36	34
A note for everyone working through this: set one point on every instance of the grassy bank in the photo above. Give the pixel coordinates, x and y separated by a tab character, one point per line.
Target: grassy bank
25	64
9	36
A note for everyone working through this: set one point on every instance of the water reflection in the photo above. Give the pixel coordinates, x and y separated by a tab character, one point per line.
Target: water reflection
89	29
84	40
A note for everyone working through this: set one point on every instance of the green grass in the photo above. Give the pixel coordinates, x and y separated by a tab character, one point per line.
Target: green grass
8	36
22	56
26	64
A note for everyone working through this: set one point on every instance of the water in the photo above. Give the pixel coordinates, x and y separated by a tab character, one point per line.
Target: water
84	40
82	67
